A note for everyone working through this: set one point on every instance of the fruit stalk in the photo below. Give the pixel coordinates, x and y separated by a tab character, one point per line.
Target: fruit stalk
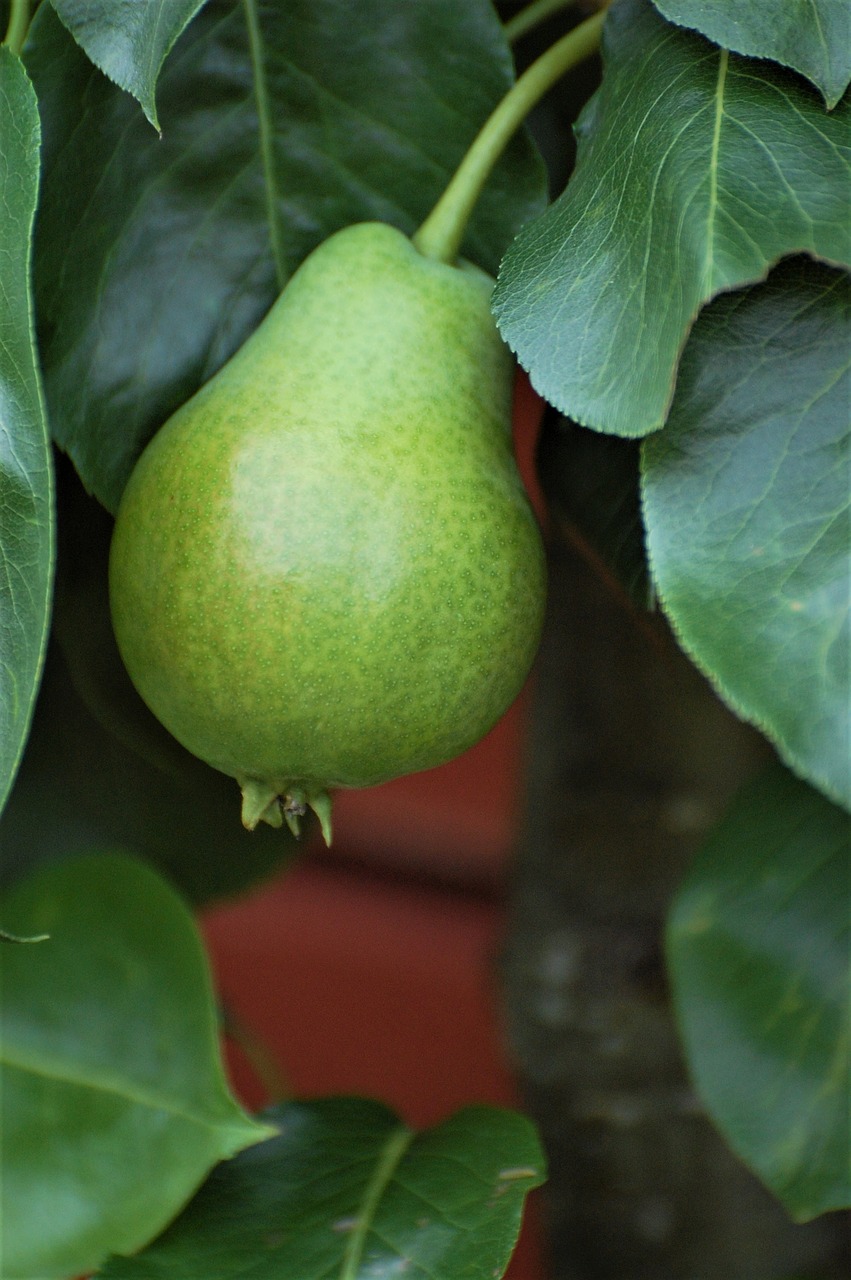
441	234
19	21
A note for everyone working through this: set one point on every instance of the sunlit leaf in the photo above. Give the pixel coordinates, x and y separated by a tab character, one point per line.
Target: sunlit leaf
114	1101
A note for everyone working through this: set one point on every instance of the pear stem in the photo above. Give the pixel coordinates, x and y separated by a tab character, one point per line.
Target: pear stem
19	21
441	234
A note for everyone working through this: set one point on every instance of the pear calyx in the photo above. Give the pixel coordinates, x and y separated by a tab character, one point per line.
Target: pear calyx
262	802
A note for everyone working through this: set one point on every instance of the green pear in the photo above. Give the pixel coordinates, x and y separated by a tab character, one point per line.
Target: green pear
324	571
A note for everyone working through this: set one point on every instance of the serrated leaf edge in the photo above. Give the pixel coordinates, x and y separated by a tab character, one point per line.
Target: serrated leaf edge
736	703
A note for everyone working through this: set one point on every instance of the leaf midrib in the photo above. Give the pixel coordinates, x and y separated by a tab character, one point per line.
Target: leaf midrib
712	209
394	1148
264	123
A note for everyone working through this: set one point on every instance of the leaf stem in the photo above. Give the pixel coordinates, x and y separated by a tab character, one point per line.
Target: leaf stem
257	1054
19	21
441	234
526	19
15	937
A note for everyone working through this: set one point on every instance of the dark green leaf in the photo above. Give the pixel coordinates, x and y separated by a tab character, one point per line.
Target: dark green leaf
157	257
99	770
348	1191
811	36
114	1102
746	500
26	485
129	40
697	170
758	943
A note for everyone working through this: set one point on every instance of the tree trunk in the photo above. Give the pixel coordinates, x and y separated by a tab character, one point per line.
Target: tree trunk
632	760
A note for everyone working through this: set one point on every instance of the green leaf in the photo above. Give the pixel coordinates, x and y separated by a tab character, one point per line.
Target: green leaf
26	483
348	1191
114	1101
758	946
281	123
130	40
697	169
811	36
746	501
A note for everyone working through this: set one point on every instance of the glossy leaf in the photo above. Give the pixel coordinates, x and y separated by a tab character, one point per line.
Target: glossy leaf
128	39
114	1101
346	1190
99	770
811	36
26	485
281	123
747	499
696	170
758	944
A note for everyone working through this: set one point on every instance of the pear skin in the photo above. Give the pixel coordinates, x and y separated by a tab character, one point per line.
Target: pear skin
324	570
